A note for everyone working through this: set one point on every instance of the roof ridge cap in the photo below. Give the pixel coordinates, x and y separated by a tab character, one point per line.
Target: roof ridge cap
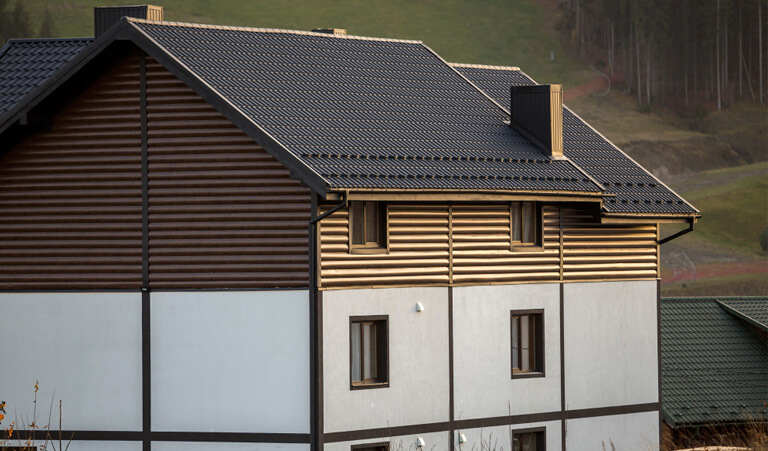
485	66
82	38
268	30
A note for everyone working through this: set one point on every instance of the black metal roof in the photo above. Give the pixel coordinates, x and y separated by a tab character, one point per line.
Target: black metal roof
633	188
26	63
714	366
353	113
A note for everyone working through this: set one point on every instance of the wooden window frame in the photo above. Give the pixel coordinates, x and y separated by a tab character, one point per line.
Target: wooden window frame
516	210
539	338
381	244
541	440
382	352
381	445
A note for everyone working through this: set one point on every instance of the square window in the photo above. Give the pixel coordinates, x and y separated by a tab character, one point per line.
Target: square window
525	224
368	352
367	226
528	441
527	330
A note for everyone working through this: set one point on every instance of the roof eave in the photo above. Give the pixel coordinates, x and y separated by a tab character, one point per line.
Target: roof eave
645	218
391	194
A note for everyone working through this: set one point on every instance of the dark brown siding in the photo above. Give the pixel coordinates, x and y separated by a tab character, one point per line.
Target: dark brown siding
70	198
222	211
464	243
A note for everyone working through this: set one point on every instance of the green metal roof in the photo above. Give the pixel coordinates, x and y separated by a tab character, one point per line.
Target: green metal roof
714	364
752	310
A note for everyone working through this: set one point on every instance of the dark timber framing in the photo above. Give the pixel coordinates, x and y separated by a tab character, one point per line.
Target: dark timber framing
562	360
146	345
475	423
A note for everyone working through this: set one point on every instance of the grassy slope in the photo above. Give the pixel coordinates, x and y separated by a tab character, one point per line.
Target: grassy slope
488	32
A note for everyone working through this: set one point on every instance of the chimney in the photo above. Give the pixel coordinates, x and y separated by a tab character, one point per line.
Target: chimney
537	113
333	31
106	16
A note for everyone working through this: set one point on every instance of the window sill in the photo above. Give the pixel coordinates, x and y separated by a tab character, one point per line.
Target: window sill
526	248
367	385
368	250
528	375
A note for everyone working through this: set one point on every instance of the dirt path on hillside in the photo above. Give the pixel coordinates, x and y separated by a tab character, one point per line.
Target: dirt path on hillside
717	270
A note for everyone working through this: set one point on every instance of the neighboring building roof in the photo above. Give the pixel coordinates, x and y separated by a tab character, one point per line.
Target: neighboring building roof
353	113
26	63
634	188
714	366
754	311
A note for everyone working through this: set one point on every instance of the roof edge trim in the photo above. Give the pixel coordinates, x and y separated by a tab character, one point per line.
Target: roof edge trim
314	180
269	30
741	315
485	66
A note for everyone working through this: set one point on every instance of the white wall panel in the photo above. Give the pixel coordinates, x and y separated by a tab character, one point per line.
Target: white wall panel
84	348
418	359
498	438
610	344
436	441
631	432
230	361
483	386
201	446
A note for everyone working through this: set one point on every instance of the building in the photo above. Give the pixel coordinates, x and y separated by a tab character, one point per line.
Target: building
714	355
238	238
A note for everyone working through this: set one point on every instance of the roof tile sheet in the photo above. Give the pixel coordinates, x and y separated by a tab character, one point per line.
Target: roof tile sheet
714	366
633	189
367	113
26	63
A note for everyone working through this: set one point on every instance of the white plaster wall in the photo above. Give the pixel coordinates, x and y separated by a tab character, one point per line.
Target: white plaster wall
230	361
610	344
85	350
418	359
86	445
483	386
198	446
436	441
498	438
638	431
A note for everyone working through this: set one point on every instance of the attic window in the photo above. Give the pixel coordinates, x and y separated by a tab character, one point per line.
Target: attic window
368	227
525	224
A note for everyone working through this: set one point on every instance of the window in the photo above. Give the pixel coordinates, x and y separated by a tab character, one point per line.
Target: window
529	440
368	227
368	358
371	447
527	343
524	224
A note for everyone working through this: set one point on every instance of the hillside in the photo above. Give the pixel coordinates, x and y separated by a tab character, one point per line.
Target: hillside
711	158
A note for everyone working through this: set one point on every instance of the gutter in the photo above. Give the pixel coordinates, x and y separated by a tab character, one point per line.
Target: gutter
678	234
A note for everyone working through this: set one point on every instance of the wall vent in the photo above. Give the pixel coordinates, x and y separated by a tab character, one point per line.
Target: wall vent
537	113
106	16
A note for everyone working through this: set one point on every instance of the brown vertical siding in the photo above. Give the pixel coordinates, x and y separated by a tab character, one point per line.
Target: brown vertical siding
596	251
223	213
465	243
70	197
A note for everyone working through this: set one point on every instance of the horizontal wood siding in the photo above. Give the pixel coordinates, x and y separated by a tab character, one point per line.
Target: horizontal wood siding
609	252
481	247
223	213
418	241
462	243
70	197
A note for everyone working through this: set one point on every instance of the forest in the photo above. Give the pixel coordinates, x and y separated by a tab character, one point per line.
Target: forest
681	53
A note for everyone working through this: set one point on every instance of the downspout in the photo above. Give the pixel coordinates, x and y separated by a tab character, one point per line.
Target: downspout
678	234
315	432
